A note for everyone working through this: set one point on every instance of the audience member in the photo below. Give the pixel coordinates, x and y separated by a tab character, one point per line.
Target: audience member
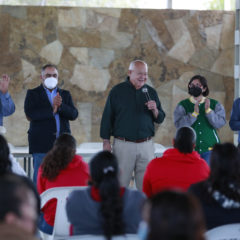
104	207
204	115
48	109
7	162
19	203
179	167
172	216
61	167
220	193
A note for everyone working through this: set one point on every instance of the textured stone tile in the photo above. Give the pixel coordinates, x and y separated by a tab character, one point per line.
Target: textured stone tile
176	28
17	135
227	37
29	71
74	37
111	12
224	64
100	58
90	79
213	36
204	58
82	127
81	54
118	40
129	20
102	22
155	23
52	52
15	11
183	49
209	18
72	17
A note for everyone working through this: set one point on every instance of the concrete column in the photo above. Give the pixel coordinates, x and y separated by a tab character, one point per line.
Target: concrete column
169	4
237	56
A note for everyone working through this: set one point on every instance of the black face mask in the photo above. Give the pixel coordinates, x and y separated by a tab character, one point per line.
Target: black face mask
195	91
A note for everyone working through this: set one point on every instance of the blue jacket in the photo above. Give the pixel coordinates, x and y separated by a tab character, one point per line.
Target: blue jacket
38	110
234	122
7	106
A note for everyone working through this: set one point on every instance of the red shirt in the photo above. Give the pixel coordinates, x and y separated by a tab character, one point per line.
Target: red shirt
75	174
174	170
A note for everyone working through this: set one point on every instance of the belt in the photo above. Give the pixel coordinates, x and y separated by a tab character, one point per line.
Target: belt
134	141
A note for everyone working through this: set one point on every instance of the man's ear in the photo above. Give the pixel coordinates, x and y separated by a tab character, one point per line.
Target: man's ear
11	218
173	141
129	72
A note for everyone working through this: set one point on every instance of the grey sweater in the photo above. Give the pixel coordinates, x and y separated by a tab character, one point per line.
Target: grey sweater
83	212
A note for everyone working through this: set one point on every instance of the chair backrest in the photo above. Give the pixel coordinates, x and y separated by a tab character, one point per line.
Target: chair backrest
224	232
101	237
61	224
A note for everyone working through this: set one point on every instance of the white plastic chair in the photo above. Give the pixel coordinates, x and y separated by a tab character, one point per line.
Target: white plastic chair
224	232
61	224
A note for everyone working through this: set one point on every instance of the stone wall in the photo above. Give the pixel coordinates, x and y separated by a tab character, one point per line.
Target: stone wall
93	47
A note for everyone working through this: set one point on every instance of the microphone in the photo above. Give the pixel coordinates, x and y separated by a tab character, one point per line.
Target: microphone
145	91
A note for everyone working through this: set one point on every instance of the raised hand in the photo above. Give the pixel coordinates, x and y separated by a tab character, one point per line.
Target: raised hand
57	102
4	83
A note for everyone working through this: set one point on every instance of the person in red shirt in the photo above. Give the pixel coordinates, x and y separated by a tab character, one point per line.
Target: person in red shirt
178	168
61	167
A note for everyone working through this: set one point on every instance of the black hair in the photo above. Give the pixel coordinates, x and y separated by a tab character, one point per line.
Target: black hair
185	139
13	191
203	82
5	163
225	170
59	156
104	174
175	216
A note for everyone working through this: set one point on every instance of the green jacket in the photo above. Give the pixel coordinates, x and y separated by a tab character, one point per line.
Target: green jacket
126	115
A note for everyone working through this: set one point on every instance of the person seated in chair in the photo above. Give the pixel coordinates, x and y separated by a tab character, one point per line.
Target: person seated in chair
104	208
219	195
172	215
179	167
19	207
60	168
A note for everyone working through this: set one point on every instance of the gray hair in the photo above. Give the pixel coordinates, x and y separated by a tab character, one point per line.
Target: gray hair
132	64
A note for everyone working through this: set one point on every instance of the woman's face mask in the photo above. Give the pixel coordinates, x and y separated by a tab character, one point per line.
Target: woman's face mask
50	82
195	91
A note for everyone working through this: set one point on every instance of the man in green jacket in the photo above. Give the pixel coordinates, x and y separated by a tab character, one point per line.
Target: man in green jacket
131	109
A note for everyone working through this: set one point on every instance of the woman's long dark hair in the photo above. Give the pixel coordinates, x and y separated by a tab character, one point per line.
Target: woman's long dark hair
104	174
225	170
5	163
175	216
59	156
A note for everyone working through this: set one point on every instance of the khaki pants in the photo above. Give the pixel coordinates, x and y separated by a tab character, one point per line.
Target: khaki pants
133	157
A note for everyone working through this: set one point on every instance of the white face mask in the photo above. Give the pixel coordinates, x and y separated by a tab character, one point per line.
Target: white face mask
50	82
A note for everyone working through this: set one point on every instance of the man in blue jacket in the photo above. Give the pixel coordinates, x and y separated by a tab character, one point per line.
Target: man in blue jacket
49	109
